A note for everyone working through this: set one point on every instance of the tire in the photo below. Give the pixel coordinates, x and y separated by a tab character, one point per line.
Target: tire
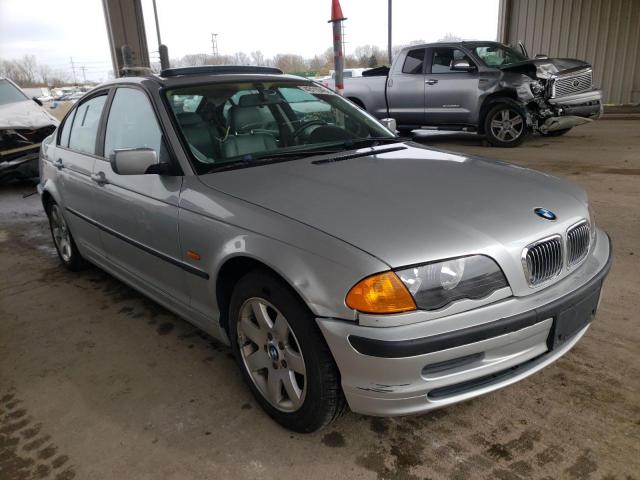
405	131
62	239
505	125
293	354
555	133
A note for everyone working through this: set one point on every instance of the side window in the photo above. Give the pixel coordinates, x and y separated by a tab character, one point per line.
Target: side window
85	125
414	62
66	130
132	123
442	58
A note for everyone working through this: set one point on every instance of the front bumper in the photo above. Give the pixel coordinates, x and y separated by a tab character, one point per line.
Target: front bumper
419	367
22	167
585	104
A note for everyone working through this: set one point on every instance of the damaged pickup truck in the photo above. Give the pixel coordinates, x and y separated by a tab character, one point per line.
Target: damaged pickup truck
24	124
483	87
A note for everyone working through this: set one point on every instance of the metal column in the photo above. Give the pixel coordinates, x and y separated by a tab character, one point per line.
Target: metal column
125	28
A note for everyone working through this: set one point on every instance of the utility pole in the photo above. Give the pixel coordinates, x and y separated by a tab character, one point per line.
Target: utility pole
389	53
155	14
84	73
73	69
214	44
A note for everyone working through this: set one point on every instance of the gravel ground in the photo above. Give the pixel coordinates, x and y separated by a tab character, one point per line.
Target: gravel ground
97	382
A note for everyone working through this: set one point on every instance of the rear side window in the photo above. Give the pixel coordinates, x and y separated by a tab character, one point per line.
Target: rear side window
66	129
414	63
85	125
132	123
442	58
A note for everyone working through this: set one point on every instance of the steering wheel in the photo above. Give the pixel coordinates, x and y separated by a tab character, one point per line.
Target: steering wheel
296	133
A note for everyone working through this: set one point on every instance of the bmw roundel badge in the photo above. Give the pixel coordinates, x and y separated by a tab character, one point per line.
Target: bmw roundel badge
545	213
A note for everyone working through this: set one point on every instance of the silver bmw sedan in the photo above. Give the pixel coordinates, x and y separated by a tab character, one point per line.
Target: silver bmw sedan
343	265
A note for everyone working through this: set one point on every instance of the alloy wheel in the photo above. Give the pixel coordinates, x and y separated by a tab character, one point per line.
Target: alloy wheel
271	354
507	125
61	235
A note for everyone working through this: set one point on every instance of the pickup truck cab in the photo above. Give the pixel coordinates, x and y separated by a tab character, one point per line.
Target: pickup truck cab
483	87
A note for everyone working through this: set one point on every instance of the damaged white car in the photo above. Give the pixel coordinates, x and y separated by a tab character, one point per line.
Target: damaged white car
24	124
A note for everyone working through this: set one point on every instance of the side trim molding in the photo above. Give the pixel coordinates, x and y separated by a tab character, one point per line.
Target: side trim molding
174	261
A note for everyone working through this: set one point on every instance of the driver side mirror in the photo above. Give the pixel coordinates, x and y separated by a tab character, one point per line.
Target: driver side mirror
390	123
135	161
461	65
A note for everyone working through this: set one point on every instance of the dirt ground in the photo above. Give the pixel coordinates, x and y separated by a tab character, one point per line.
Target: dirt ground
97	382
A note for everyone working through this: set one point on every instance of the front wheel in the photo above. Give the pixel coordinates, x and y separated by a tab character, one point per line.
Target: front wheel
506	125
282	354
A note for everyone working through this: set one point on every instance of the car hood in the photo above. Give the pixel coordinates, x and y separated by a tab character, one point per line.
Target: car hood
412	205
545	67
27	114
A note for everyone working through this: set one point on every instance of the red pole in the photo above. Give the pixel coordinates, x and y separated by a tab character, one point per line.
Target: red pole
338	59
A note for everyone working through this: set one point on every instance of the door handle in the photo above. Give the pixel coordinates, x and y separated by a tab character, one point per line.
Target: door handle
431	81
99	178
58	164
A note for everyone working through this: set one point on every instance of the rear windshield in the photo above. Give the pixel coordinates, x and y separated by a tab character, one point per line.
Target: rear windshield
225	125
10	94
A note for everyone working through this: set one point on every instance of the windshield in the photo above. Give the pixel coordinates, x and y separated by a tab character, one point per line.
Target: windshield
496	55
228	125
10	94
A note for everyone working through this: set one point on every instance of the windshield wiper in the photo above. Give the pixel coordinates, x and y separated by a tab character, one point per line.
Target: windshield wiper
251	160
370	141
265	158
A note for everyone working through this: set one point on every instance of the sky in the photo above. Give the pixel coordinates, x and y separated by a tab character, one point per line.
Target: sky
60	30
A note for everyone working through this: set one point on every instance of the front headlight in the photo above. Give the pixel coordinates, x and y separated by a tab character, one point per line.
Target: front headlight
436	285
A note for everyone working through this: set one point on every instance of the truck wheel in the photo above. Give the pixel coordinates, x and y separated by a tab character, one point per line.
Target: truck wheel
556	133
405	131
62	239
506	124
282	354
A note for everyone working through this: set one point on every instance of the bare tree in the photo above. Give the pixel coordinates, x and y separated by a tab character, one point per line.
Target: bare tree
28	66
450	37
288	62
258	58
241	58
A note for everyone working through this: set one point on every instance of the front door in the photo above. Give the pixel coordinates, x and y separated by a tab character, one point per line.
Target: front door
451	97
74	157
405	90
139	213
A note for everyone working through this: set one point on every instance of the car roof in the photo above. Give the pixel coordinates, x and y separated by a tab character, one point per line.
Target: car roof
467	43
203	78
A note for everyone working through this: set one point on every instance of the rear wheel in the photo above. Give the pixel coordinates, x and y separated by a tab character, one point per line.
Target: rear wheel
555	133
282	354
506	124
62	238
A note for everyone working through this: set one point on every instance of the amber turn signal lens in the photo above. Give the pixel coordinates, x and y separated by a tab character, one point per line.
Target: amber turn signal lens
381	293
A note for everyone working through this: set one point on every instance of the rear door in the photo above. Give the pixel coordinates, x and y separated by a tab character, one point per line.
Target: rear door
74	158
405	89
139	213
451	97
